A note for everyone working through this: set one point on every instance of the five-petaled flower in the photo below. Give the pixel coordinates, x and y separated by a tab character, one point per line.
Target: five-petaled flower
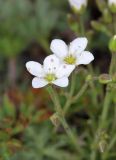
74	54
52	71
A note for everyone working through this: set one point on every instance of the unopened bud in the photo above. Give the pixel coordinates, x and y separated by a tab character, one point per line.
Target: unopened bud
89	78
78	6
55	119
112	44
105	78
112	5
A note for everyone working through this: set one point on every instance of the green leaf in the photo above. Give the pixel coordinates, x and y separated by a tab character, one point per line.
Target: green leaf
101	27
8	108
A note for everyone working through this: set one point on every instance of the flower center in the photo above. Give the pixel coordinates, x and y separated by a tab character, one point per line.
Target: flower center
50	77
70	59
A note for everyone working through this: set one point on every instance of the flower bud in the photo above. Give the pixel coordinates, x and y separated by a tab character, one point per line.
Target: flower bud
55	120
78	6
112	44
88	78
105	78
112	5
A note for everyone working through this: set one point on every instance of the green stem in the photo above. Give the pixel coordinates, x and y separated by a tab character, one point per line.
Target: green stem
80	93
107	96
54	96
110	146
82	29
93	88
114	24
112	143
72	89
105	109
114	120
107	101
55	99
94	92
106	104
70	134
113	64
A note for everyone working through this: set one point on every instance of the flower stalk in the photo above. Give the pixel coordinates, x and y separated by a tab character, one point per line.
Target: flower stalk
107	99
81	92
54	96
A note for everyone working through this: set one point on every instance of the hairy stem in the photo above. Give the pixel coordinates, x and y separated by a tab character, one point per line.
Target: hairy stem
107	99
80	93
58	108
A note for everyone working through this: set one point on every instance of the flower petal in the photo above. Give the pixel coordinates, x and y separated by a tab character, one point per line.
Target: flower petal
85	58
38	82
65	70
34	68
51	64
78	45
59	48
62	82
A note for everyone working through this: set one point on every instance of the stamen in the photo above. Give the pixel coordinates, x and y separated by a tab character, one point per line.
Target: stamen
50	77
70	59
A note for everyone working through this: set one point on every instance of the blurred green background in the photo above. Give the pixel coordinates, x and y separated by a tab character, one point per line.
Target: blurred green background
26	132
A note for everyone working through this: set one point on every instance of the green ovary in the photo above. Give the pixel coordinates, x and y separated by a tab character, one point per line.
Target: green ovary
50	77
70	59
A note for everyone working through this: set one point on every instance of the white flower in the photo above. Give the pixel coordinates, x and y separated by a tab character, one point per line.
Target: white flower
78	4
52	71
111	2
74	54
